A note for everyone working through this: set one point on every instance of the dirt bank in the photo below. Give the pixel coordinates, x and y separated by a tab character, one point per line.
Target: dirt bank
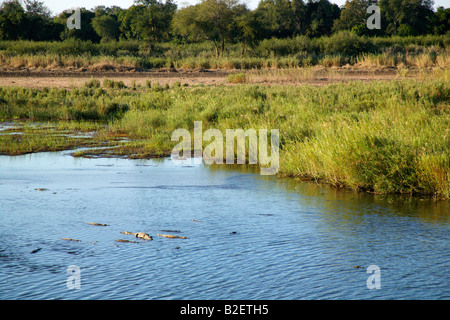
70	78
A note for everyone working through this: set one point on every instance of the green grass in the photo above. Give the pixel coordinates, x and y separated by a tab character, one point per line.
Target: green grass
237	78
107	83
27	137
381	136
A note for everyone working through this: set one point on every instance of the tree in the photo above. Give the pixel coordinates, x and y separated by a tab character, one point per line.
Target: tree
321	15
86	32
210	20
106	26
287	18
412	13
277	16
105	22
352	14
247	29
128	29
299	21
12	20
112	11
148	20
405	30
37	8
354	17
39	25
440	21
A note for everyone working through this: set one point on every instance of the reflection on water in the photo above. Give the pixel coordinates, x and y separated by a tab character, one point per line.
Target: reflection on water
403	205
249	236
428	209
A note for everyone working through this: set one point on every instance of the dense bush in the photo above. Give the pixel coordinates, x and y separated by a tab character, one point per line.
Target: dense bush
347	44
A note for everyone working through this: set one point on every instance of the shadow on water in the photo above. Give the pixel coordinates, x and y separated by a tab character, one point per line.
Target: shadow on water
349	203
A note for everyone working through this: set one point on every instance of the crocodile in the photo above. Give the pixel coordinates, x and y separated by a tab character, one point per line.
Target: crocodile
171	236
70	239
140	235
122	240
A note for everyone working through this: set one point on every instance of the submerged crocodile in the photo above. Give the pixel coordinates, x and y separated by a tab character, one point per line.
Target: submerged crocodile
122	240
171	236
140	235
70	239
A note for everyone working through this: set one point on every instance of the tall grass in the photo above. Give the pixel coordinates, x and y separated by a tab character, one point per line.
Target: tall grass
27	138
380	136
337	50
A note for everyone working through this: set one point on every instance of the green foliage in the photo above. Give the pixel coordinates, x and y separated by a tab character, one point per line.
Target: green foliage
106	27
236	78
149	20
211	20
86	33
337	50
93	83
410	13
112	84
405	30
379	136
353	16
440	21
220	22
113	110
345	43
12	17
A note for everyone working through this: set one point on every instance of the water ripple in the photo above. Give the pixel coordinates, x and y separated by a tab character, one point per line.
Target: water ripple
248	237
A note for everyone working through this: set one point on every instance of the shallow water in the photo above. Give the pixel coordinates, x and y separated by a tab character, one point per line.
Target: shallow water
253	237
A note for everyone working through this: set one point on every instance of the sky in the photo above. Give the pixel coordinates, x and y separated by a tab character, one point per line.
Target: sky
57	6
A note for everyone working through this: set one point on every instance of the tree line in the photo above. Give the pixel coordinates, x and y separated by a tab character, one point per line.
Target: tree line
221	21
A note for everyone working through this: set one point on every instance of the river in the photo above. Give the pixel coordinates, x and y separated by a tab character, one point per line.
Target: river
248	236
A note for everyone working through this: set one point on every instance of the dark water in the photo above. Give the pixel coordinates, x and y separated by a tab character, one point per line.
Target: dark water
257	237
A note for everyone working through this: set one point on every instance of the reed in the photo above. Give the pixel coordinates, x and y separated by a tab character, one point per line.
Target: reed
337	50
380	136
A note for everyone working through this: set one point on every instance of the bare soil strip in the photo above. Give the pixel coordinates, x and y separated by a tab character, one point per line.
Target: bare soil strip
71	79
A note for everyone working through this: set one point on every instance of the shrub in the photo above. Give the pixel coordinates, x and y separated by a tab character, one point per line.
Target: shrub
114	110
237	78
345	43
112	84
93	83
405	30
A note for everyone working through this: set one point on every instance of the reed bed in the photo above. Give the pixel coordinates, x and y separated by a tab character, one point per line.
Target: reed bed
340	49
382	136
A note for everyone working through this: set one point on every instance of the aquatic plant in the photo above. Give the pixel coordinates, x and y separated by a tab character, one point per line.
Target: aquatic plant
379	136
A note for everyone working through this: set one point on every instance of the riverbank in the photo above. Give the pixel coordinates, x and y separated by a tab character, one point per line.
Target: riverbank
377	136
318	76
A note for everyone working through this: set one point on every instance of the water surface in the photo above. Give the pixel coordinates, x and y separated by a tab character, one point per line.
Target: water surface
250	237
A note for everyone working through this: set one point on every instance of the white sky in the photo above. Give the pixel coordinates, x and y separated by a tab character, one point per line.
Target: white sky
57	6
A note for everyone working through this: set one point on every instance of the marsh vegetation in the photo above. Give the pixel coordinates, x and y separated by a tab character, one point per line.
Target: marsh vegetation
340	49
381	136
